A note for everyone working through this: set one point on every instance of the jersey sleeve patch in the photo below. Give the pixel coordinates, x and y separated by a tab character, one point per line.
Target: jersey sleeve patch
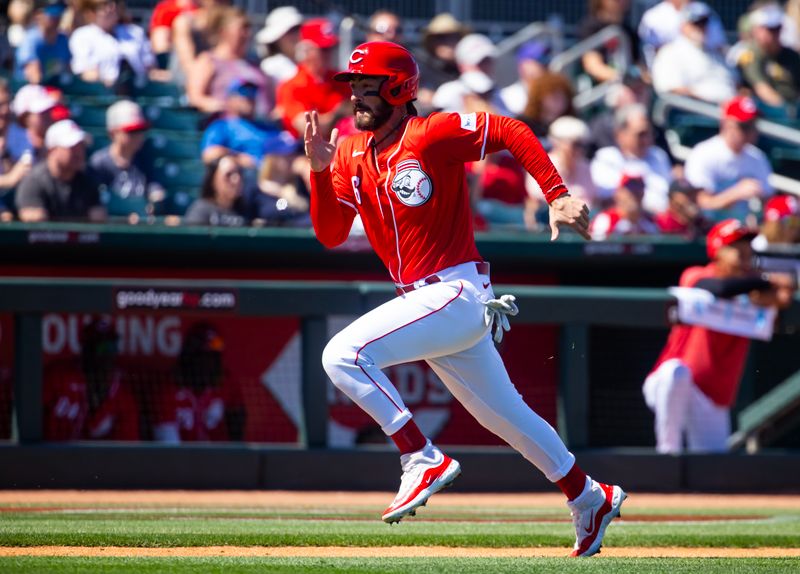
469	121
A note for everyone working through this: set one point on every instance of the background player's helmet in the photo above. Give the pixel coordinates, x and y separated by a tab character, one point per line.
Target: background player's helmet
390	61
727	232
200	360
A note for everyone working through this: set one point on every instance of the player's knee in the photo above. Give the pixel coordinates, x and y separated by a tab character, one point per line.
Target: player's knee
338	355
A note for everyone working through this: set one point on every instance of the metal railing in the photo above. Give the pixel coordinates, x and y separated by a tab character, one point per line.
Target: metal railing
620	59
667	102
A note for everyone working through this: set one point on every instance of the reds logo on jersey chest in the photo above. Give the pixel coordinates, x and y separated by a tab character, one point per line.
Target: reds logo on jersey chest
412	186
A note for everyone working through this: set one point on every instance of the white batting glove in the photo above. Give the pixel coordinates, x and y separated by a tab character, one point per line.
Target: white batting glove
496	313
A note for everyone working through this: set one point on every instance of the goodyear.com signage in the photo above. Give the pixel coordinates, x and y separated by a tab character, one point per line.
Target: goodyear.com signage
126	299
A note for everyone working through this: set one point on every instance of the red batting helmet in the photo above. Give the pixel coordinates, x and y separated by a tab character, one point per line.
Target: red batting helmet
727	232
388	60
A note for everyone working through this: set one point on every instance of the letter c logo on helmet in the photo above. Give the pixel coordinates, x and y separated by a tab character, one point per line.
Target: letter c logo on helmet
389	61
357	56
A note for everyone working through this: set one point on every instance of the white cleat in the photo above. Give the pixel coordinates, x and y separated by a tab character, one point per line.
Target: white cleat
425	473
592	512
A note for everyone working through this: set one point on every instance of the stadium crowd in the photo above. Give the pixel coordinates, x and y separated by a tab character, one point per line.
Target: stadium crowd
92	103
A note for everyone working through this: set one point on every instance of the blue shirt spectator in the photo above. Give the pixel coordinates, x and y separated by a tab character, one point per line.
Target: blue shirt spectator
238	133
44	51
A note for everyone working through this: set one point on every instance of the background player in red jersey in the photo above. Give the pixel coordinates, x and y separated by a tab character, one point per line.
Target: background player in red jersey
404	175
696	378
88	398
202	405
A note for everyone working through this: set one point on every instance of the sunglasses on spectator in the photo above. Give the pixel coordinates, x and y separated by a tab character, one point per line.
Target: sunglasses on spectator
232	174
702	23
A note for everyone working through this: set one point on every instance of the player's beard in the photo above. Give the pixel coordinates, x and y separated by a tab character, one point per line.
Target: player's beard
370	119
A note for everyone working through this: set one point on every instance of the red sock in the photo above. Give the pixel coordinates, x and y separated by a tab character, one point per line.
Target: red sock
573	483
409	438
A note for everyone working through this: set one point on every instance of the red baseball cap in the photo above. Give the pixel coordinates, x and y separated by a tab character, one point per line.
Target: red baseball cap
780	207
727	232
319	31
740	108
632	181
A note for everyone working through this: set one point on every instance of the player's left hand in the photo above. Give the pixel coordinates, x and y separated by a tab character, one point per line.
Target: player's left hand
569	211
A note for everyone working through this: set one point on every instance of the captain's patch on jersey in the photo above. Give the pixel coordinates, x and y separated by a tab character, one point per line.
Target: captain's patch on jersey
412	186
469	121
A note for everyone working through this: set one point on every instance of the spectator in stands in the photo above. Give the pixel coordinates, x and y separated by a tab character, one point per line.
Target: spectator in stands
771	69
87	398
729	169
33	106
11	171
437	59
203	405
568	137
634	153
532	60
59	187
279	37
686	66
110	49
500	196
20	15
280	197
781	223
119	169
602	126
385	26
626	216
696	378
662	24
791	25
550	98
215	69
220	202
239	134
161	25
601	14
683	215
475	54
313	87
44	52
192	35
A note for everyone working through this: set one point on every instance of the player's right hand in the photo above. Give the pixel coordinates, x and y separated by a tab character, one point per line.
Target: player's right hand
319	151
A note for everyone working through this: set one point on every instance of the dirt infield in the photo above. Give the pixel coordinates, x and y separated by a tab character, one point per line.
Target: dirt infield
299	500
55	500
395	552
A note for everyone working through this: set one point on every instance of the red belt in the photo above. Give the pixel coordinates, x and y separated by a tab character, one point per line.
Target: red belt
481	267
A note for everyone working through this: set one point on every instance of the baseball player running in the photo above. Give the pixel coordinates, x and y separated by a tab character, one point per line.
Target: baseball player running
404	175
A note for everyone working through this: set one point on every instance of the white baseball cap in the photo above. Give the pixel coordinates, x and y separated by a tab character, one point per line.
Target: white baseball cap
32	98
568	128
64	133
472	49
127	116
769	16
278	23
477	82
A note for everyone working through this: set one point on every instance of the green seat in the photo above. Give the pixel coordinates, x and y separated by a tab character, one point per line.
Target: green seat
179	199
184	119
161	94
178	174
160	146
786	161
74	86
88	116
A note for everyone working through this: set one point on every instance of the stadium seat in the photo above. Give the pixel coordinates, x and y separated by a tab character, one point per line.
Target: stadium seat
173	174
161	145
88	115
184	119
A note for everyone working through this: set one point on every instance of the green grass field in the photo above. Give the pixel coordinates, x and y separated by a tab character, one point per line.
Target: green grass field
736	537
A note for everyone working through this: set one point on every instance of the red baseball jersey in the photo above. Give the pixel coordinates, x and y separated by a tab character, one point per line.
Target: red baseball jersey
715	359
199	415
66	407
412	197
611	222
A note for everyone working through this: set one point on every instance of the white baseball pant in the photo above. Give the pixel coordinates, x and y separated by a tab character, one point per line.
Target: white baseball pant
443	324
682	408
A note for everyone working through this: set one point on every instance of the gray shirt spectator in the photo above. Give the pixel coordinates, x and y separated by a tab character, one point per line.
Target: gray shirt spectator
58	188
